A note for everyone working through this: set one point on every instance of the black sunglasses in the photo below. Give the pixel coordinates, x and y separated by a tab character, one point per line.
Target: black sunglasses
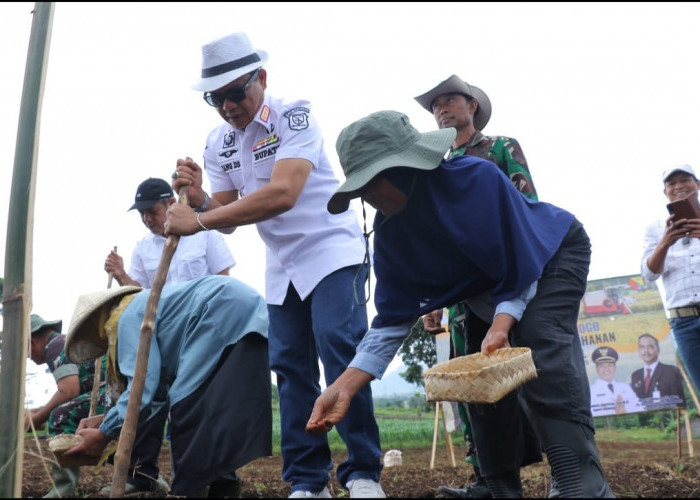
236	94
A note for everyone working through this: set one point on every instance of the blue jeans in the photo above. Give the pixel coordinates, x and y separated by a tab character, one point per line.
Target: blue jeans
686	333
327	324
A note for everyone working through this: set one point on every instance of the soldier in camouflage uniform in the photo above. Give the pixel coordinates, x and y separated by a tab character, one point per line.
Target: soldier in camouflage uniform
455	103
71	401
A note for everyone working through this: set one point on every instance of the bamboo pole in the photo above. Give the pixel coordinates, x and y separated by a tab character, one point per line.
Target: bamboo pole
111	274
678	432
128	433
679	362
97	375
435	433
17	297
688	433
96	379
448	439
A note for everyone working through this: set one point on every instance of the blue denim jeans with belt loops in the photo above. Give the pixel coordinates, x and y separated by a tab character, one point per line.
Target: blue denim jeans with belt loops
686	333
329	325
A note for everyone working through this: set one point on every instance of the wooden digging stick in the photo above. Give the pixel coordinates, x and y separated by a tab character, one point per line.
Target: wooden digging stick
128	433
96	378
111	274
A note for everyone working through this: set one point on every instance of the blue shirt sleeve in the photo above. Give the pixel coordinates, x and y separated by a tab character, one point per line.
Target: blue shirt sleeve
516	307
378	348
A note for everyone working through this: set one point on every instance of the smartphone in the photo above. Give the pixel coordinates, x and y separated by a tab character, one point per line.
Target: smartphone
687	208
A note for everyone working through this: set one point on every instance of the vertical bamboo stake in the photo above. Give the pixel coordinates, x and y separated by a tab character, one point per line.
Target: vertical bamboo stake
435	433
688	382
448	439
97	376
128	433
678	432
17	296
96	379
111	274
688	433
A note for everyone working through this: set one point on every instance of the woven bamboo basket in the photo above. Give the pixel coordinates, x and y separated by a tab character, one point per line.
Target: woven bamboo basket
64	442
479	378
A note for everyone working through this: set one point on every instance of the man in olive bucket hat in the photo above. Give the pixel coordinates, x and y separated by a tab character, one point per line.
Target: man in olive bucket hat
208	358
446	230
71	401
456	103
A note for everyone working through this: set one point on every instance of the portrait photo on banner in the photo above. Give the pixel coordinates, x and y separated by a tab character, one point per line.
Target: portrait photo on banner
628	349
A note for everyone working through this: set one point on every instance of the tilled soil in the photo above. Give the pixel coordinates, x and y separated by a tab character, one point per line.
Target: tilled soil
639	469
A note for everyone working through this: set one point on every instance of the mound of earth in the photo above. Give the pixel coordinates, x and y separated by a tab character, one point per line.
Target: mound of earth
633	469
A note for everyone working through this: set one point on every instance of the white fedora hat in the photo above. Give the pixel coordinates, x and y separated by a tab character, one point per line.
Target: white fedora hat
227	58
85	340
455	85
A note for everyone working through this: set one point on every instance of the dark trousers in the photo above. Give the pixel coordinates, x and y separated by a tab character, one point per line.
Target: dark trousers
524	447
548	327
143	468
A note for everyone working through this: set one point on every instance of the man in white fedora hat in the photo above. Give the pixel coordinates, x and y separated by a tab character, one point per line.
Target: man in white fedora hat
456	103
671	249
450	229
267	166
209	345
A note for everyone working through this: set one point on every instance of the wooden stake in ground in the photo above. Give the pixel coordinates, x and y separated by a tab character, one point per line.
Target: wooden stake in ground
97	376
111	274
128	433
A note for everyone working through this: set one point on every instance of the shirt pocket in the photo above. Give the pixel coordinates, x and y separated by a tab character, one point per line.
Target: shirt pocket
263	168
150	265
192	263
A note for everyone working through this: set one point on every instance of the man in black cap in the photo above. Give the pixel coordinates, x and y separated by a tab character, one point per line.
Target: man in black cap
201	254
71	401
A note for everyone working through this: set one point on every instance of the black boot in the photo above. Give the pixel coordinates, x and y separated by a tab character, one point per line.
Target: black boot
228	486
505	485
478	489
573	457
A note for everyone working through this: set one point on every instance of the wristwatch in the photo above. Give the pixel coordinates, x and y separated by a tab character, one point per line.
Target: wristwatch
205	204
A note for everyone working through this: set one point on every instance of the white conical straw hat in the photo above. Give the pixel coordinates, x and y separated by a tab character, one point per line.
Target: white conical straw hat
84	340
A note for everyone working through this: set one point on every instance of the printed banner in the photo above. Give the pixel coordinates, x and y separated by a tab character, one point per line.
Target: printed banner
628	351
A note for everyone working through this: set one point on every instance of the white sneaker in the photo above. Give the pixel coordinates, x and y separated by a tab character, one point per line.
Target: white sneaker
324	493
365	488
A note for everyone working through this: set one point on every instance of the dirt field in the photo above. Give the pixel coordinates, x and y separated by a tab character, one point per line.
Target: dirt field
648	470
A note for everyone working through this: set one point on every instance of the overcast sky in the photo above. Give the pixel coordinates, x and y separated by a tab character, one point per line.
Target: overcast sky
601	96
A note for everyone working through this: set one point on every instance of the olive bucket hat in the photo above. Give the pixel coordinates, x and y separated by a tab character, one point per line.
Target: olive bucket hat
39	323
380	141
85	340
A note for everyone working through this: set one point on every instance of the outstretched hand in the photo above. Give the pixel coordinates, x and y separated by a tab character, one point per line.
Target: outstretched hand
332	405
329	409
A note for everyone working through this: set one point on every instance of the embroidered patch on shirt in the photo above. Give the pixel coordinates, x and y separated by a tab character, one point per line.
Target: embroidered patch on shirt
229	140
227	154
264	113
263	143
298	118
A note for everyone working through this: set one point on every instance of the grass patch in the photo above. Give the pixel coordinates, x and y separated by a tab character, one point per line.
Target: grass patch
633	434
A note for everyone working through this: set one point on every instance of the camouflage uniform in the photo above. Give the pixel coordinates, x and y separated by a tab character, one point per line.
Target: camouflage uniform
66	417
507	154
